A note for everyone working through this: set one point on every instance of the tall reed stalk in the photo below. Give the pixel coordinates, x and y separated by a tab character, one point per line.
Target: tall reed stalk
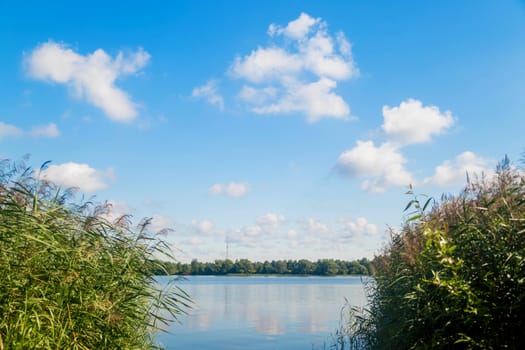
69	278
454	277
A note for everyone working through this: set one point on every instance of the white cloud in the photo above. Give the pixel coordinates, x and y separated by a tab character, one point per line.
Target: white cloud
270	222
382	166
317	100
78	175
295	29
8	130
267	225
49	130
257	96
299	76
160	223
266	64
117	209
272	235
358	228
252	230
209	92
320	59
455	172
231	189
203	226
195	241
411	122
314	226
90	76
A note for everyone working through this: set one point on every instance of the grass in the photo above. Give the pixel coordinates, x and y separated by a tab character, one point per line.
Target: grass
70	278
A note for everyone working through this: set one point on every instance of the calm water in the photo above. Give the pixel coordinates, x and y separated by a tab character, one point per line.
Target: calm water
262	312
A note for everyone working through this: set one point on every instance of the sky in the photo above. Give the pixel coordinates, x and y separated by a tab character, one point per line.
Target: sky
263	129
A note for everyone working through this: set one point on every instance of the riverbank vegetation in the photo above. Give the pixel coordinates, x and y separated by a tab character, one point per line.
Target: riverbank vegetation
322	267
454	276
71	279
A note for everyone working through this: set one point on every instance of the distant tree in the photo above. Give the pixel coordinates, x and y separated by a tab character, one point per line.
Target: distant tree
305	267
343	269
370	269
327	267
355	268
196	267
244	266
268	268
280	266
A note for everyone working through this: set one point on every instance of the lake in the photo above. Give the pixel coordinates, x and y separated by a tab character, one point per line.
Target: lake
260	312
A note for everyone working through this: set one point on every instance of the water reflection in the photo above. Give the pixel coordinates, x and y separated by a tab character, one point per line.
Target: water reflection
262	312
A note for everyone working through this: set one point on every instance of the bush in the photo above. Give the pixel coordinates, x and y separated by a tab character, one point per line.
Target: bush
70	279
454	277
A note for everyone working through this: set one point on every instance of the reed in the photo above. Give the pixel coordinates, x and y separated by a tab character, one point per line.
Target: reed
70	279
454	276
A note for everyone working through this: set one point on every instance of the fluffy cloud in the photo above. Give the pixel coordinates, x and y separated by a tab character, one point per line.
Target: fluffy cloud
296	29
161	223
7	130
266	64
203	227
455	172
358	228
90	76
209	92
292	234
116	210
271	234
264	226
231	189
49	130
301	74
316	237
258	96
77	175
270	222
383	165
315	100
251	231
411	122
315	227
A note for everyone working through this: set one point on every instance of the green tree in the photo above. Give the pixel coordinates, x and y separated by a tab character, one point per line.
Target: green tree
280	267
305	267
356	268
244	266
327	267
268	267
196	267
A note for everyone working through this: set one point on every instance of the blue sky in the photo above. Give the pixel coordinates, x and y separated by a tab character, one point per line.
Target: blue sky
289	129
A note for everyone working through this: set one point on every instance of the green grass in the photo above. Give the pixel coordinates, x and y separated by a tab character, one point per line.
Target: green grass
70	279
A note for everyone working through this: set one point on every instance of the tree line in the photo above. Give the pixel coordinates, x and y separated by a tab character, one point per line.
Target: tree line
321	267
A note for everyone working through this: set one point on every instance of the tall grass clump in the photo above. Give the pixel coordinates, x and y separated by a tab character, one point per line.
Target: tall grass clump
71	279
454	276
